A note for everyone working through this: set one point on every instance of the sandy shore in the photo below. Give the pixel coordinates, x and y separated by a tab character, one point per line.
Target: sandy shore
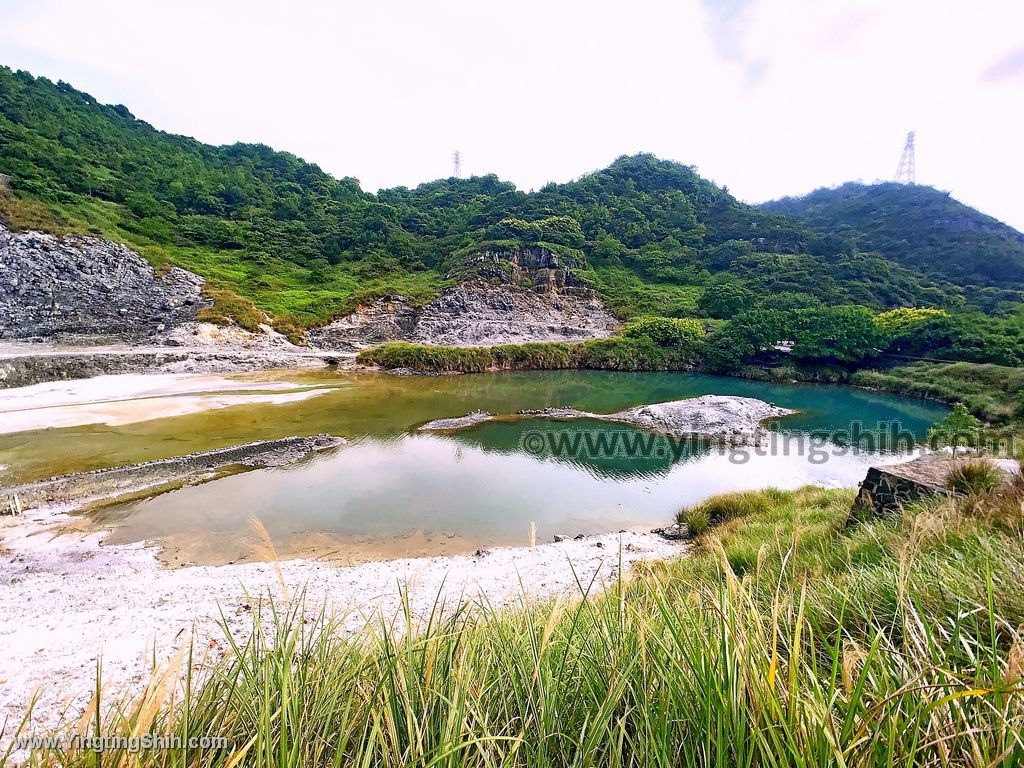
69	601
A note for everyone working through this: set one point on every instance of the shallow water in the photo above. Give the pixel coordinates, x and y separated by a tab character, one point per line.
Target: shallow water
393	491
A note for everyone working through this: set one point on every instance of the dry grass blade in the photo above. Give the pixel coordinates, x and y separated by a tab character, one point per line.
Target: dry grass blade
270	552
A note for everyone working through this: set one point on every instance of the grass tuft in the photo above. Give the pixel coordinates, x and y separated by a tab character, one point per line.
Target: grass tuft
976	476
228	307
726	506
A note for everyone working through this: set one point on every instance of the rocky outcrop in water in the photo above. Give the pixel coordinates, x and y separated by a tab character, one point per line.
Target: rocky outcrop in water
103	484
459	422
720	417
86	286
711	416
529	294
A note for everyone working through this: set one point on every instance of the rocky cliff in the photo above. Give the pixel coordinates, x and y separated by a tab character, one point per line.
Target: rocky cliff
529	294
85	288
53	287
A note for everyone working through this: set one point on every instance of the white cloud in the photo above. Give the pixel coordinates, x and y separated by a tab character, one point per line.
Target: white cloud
1009	66
770	97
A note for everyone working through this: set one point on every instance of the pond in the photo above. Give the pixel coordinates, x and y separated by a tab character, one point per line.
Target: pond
393	491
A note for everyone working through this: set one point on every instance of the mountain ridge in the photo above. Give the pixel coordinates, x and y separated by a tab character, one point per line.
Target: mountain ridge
267	227
914	225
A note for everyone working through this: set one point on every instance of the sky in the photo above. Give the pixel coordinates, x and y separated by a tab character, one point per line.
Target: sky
766	97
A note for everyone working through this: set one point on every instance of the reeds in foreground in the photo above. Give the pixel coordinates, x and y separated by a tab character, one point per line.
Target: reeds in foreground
786	639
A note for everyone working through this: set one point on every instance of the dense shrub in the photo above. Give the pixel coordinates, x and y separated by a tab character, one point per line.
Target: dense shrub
743	337
971	336
845	334
617	353
666	331
620	353
724	300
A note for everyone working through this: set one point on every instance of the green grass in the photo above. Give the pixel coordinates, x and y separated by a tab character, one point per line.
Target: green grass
428	358
788	637
627	295
975	477
994	393
21	213
539	356
721	508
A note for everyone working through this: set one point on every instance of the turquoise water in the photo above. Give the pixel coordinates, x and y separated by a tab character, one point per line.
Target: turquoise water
395	491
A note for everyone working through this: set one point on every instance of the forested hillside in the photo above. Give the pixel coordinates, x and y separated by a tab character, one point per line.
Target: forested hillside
650	235
917	226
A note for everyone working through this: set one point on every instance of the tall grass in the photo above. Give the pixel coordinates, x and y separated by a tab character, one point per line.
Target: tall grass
880	643
975	476
617	353
427	358
994	393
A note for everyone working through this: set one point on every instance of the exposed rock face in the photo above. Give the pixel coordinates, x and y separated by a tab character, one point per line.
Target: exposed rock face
545	270
387	319
511	297
478	314
86	286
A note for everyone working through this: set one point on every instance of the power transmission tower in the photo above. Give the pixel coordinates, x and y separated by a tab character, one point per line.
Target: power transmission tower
905	171
457	163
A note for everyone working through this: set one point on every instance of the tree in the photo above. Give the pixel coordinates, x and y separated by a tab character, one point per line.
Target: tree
787	301
960	427
744	336
724	300
926	336
721	257
845	334
561	230
898	322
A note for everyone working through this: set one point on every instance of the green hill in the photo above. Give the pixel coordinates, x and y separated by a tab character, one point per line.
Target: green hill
270	228
917	226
